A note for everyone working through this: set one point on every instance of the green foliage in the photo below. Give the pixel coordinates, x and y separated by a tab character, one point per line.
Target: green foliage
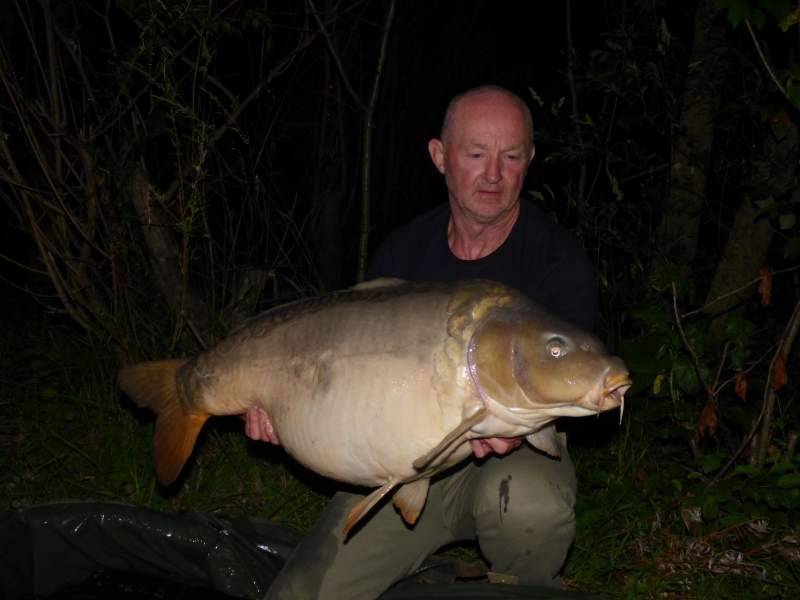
781	10
649	527
649	522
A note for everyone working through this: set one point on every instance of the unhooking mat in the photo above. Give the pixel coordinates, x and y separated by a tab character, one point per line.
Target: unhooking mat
66	545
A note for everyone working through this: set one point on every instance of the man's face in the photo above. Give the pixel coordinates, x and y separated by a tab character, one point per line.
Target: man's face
485	156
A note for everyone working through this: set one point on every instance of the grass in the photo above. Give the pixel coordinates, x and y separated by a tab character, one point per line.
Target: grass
646	528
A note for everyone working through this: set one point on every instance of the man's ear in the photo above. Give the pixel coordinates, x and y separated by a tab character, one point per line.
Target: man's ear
436	150
533	152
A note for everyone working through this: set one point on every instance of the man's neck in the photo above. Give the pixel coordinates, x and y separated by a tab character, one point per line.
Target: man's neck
470	239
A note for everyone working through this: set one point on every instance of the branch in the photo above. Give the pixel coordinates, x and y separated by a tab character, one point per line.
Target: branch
339	67
689	347
146	87
366	172
736	291
575	114
767	65
280	68
784	345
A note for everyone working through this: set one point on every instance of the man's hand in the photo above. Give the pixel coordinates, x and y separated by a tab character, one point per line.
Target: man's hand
258	427
500	445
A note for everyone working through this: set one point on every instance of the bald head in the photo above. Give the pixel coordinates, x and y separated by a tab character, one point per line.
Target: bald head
487	92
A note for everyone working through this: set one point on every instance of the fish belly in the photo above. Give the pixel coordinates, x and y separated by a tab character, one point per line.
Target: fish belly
348	388
376	416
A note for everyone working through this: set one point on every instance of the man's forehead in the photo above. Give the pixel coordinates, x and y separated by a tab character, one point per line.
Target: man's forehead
470	142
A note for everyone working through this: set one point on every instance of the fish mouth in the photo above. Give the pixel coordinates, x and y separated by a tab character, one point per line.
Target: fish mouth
614	394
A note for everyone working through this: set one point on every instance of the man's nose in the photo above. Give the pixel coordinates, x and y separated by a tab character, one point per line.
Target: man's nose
493	174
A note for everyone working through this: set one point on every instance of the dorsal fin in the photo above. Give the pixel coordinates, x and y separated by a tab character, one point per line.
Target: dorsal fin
381	282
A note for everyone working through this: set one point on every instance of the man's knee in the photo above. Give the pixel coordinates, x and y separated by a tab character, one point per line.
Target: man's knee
525	516
523	504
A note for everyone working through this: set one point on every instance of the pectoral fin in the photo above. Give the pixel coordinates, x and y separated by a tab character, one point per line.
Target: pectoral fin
363	507
462	428
546	440
411	498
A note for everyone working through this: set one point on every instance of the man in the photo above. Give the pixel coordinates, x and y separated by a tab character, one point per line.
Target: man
519	507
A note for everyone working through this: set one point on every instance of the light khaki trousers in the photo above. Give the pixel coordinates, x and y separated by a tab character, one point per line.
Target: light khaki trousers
519	507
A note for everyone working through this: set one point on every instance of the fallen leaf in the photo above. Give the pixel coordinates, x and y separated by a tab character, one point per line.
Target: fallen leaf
708	420
741	385
765	288
780	378
641	475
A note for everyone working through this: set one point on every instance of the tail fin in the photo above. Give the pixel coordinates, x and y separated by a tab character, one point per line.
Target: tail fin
154	385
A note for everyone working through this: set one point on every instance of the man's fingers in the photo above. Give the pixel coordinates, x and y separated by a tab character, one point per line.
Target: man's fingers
258	427
252	427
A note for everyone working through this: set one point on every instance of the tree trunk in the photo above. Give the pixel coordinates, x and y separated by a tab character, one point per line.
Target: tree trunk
749	240
692	147
163	253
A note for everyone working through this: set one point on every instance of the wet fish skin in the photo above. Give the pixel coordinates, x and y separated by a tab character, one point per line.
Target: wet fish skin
384	385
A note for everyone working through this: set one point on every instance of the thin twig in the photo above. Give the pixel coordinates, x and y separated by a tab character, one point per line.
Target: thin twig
767	65
197	334
769	391
342	73
689	347
737	290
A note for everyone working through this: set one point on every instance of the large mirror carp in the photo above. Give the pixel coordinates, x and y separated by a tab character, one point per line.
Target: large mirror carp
385	384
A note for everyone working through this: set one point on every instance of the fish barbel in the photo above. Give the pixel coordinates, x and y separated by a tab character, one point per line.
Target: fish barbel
386	383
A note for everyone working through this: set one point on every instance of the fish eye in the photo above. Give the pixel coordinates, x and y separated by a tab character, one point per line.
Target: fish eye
556	347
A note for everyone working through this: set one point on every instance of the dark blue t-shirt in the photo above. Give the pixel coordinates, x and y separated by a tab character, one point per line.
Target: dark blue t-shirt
539	257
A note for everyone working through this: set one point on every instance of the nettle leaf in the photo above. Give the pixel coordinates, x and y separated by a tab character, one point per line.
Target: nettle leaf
793	89
686	375
777	8
791	480
656	344
748	471
734	521
711	462
737	414
740	10
652	412
637	358
781	467
792	246
711	509
722	491
758	19
653	315
786	221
